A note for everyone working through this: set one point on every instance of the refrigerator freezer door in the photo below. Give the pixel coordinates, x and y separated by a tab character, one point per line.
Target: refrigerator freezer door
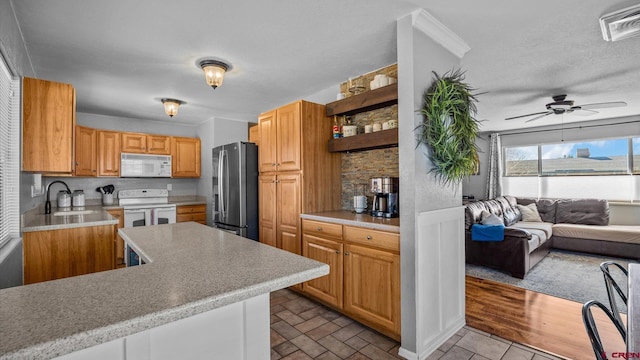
240	231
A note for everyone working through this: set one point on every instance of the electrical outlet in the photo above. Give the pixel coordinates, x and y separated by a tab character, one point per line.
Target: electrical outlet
36	192
169	187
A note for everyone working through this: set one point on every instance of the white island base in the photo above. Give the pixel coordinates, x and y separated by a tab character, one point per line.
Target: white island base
236	331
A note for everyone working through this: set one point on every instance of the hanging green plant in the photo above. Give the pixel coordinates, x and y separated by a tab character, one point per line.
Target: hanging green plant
449	128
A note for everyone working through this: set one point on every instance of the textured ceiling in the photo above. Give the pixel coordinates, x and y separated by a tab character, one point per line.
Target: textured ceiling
124	56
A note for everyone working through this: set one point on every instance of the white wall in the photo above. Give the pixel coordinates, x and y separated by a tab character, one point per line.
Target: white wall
212	133
105	122
418	56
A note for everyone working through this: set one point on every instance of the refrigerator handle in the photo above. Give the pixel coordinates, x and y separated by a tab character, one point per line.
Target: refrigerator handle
221	183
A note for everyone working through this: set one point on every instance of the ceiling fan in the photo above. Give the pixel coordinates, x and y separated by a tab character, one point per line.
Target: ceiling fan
561	106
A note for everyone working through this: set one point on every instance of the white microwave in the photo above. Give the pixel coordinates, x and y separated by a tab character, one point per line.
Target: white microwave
142	165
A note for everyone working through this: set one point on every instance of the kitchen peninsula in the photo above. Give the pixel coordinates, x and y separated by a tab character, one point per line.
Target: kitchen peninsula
202	291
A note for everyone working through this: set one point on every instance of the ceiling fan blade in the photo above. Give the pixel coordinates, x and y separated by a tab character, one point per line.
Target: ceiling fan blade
603	105
521	116
584	112
540	116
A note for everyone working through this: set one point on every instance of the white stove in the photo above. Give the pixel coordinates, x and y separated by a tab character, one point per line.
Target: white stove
144	207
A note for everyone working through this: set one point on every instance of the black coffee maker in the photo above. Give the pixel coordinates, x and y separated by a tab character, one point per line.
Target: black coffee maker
385	200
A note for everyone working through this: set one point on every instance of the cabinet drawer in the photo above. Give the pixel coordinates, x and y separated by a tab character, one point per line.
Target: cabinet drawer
190	209
381	239
200	217
322	229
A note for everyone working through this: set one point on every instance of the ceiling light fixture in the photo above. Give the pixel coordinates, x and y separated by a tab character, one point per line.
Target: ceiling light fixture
171	106
214	71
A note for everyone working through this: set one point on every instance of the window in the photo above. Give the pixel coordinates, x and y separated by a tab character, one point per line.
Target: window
521	161
9	155
605	157
593	158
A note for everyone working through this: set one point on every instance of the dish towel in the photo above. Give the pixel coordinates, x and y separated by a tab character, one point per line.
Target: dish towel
480	232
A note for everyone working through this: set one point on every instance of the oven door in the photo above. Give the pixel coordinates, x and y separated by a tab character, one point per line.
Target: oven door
164	215
137	217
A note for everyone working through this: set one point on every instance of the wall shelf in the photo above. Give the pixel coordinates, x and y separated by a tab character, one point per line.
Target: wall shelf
375	140
367	101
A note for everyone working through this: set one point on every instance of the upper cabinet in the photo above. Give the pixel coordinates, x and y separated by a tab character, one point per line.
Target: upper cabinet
48	120
145	144
280	135
108	153
185	157
86	151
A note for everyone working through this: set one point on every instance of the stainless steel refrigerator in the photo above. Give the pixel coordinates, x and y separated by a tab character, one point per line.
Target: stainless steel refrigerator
235	188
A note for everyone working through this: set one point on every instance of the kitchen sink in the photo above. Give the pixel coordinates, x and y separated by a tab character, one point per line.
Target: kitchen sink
74	212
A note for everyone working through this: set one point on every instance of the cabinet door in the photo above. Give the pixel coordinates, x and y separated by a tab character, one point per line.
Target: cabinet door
372	286
288	212
254	136
185	157
91	249
157	144
108	153
327	288
86	151
288	137
267	213
119	243
134	143
267	135
48	120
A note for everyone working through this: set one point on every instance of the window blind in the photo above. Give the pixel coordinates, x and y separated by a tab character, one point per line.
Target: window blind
9	155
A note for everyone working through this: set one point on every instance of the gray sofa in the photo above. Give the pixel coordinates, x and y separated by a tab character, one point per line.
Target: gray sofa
570	224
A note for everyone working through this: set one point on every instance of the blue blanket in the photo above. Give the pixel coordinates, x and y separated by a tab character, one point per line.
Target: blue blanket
480	232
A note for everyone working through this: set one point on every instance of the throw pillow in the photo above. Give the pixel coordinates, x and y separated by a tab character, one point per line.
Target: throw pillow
530	213
492	219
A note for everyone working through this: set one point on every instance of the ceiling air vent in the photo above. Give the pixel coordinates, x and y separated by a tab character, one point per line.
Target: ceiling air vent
621	24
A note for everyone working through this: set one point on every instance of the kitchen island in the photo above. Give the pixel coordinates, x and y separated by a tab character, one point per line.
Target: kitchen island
199	285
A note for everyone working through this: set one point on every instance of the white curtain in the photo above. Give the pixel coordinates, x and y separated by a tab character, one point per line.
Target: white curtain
494	175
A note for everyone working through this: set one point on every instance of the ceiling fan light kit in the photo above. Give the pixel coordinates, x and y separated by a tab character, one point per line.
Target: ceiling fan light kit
621	24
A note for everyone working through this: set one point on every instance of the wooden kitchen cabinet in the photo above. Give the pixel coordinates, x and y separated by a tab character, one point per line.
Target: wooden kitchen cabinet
57	254
280	138
297	173
185	157
364	275
48	121
254	137
86	151
197	213
118	242
145	144
322	242
108	153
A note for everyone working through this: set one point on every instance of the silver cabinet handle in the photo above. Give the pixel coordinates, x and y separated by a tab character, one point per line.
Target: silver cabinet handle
319	229
346	253
337	251
369	237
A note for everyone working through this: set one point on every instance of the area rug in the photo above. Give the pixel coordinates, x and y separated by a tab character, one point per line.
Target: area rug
569	275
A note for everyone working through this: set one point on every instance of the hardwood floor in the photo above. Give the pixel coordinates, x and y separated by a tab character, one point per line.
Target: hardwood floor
538	320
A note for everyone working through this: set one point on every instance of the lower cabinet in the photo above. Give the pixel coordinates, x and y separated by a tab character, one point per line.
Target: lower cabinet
197	213
119	243
57	254
364	275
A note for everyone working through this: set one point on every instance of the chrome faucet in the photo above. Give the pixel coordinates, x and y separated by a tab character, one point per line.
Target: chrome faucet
47	204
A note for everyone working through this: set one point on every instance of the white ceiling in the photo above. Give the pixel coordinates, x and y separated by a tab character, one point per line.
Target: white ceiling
123	56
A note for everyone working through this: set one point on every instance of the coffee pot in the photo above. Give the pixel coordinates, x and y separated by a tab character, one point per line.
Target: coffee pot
385	200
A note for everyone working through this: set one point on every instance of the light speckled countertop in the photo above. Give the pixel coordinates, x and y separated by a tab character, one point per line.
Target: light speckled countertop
346	217
194	268
35	220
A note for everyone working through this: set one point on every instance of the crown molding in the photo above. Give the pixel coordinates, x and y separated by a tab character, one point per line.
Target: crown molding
441	34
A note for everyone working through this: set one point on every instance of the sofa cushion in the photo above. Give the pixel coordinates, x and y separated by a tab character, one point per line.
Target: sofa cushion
582	211
530	213
617	233
511	215
547	209
473	213
544	226
492	219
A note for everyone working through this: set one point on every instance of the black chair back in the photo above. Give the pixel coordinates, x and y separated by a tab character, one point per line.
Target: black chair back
592	330
612	285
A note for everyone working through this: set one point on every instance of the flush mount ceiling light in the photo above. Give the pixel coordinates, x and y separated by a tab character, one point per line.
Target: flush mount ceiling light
621	24
171	106
214	71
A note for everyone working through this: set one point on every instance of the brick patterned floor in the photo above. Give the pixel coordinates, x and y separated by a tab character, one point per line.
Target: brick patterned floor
304	329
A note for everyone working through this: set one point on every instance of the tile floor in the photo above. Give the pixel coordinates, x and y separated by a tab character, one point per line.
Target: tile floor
304	329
